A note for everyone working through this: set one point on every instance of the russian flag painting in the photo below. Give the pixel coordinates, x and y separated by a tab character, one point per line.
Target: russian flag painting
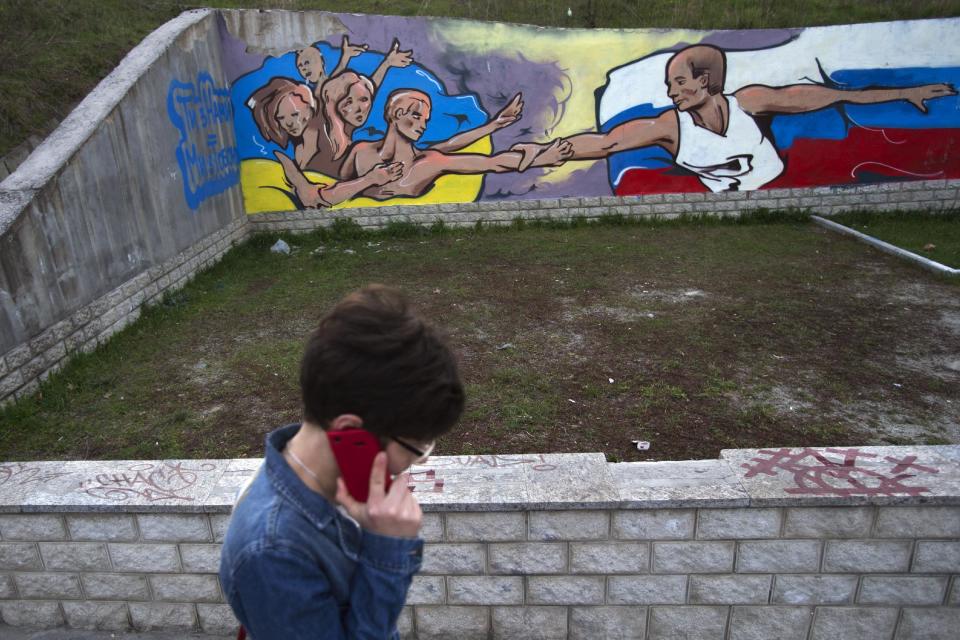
818	106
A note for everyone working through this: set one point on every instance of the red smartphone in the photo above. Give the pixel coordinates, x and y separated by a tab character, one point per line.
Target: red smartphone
355	450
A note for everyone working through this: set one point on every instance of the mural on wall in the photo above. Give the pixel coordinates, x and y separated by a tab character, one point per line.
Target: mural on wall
479	111
208	159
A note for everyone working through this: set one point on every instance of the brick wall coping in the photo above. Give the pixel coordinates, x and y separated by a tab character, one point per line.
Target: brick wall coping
740	477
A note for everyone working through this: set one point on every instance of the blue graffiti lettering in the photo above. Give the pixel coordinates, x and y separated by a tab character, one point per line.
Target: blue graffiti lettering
208	158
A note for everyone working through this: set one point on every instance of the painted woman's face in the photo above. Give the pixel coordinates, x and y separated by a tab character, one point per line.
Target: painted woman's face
293	115
310	64
355	108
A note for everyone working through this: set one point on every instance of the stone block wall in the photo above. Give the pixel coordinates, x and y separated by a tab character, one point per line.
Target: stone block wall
802	572
24	367
858	542
933	195
113	571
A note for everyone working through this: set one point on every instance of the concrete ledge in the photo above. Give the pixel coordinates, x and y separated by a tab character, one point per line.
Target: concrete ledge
886	247
782	477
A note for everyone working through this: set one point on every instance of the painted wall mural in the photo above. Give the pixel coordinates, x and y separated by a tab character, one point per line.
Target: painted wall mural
388	110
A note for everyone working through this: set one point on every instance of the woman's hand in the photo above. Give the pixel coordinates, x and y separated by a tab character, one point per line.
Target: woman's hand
388	513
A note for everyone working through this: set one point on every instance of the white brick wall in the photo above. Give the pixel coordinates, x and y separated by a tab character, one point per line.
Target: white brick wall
528	557
609	557
728	573
89	614
106	527
536	623
693	557
654	525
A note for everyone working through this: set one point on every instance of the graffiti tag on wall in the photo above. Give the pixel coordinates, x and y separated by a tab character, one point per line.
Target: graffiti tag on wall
208	159
835	472
148	481
426	480
17	473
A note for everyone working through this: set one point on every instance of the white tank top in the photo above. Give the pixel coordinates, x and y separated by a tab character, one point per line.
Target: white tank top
740	160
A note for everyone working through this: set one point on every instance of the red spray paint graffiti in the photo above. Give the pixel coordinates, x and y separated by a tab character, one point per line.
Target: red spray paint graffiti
427	480
421	480
537	462
20	474
817	473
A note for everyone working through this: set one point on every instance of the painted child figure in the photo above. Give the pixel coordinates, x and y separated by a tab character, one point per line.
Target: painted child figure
407	112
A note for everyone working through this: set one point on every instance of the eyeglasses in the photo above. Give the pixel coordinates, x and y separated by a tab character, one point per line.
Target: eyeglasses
422	454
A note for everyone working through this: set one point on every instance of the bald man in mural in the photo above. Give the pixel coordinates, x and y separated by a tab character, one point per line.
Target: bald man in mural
716	135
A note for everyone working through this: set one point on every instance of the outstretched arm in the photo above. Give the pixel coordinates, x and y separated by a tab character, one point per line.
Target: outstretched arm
504	118
633	134
315	195
347	52
465	163
395	58
800	98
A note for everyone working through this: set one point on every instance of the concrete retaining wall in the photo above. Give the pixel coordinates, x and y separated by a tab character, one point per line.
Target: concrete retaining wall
781	543
95	222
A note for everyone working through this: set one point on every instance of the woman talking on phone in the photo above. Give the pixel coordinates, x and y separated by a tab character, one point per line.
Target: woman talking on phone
322	544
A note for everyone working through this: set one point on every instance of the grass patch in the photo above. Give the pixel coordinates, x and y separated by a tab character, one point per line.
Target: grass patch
716	332
933	235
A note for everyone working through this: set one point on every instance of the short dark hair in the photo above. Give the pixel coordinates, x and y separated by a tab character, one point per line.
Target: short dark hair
372	356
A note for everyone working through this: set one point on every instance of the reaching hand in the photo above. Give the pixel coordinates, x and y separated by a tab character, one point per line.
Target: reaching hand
917	96
381	174
308	192
348	51
510	113
397	58
530	151
556	154
394	513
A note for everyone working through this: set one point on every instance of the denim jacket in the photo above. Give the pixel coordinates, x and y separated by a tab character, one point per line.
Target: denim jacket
293	566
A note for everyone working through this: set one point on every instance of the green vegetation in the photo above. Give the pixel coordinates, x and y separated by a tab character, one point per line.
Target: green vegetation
694	334
932	235
53	52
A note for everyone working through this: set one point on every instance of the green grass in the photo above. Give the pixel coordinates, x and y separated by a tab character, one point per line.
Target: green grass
53	52
786	306
932	235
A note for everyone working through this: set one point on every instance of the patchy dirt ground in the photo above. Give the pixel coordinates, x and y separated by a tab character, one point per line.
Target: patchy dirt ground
694	338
